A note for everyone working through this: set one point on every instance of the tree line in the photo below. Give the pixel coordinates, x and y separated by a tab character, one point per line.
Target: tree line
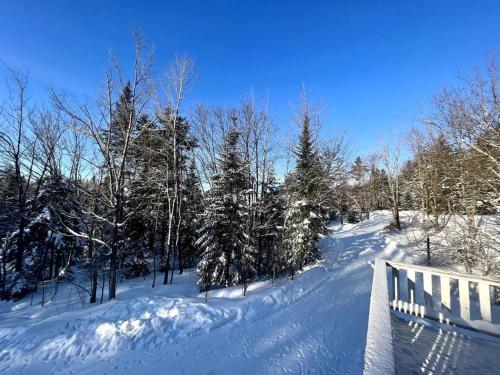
447	172
128	183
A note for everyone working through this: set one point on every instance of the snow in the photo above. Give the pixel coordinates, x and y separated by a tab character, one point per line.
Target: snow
427	347
316	323
446	239
379	355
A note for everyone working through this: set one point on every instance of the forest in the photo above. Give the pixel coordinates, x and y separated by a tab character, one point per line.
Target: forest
132	183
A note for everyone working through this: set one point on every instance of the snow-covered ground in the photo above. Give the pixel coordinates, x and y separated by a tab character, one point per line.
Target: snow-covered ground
447	238
316	323
427	347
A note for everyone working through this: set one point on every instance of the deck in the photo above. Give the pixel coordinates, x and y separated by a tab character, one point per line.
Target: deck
426	320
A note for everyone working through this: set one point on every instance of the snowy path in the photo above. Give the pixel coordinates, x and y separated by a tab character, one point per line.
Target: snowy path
314	324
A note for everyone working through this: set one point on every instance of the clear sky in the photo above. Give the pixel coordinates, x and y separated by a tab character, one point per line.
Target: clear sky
373	63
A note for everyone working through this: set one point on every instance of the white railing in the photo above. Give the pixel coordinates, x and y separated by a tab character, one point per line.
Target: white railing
379	350
450	297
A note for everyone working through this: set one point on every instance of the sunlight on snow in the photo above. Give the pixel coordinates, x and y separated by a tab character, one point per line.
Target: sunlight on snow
105	330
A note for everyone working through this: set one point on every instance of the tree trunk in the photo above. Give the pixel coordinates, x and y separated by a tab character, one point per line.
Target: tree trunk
93	280
114	256
52	266
181	262
102	289
112	264
20	245
167	265
226	269
397	220
428	246
93	285
163	239
174	256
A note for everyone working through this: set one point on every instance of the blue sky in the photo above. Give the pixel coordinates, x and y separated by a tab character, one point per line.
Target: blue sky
374	64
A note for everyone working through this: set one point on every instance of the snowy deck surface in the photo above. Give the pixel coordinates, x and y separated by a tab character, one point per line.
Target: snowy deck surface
424	347
316	324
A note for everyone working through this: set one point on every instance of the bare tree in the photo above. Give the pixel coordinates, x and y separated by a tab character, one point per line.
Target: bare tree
470	116
209	127
335	155
392	161
176	84
97	122
18	148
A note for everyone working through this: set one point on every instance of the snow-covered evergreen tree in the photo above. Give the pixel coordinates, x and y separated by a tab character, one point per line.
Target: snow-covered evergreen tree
50	248
305	215
269	228
226	257
192	209
359	191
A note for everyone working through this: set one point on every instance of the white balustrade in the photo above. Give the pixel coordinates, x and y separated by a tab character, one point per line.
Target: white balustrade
442	310
379	351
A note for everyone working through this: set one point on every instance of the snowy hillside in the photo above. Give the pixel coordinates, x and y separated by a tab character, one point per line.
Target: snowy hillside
316	323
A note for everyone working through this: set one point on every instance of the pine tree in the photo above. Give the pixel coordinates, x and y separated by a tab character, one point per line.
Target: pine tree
191	217
269	227
305	215
359	191
49	248
379	190
139	230
122	115
118	139
226	259
8	197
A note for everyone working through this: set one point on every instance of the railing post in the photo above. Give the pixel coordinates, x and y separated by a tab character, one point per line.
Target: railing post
395	286
427	276
463	294
445	292
484	296
485	300
410	274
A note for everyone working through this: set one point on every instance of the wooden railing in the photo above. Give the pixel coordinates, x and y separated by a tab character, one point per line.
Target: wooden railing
454	298
379	350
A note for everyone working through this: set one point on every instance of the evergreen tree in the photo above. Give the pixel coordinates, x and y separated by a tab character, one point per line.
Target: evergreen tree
379	190
305	215
50	248
269	227
139	236
191	217
8	198
359	191
8	191
123	116
226	259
